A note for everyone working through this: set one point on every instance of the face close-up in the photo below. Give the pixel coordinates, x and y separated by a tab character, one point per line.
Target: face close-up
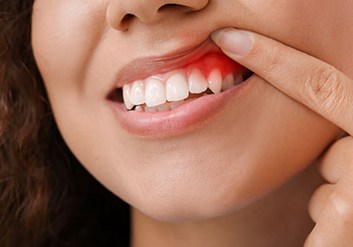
182	151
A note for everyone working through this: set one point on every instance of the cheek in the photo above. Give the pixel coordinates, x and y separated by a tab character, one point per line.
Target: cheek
309	26
234	162
64	34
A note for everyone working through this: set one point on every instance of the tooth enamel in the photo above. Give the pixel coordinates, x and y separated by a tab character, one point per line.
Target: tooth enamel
228	82
177	87
164	107
151	109
239	79
154	92
127	97
215	81
139	108
175	104
137	93
197	82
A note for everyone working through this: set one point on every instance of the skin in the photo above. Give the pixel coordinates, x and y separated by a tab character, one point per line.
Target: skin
327	91
269	138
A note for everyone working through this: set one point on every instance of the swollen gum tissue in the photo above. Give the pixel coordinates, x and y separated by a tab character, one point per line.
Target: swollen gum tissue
217	60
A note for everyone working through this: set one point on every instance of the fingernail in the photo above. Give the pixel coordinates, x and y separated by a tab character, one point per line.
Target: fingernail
232	40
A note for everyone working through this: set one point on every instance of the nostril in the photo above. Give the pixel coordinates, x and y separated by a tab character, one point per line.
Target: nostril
126	20
172	6
121	15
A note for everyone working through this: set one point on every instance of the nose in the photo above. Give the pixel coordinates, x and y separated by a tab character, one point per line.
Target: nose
121	13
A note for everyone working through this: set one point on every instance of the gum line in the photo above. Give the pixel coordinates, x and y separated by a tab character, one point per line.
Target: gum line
214	71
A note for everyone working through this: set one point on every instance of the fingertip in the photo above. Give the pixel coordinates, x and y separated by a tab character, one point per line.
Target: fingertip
234	41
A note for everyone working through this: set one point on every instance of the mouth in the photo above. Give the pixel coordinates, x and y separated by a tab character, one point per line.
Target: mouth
159	96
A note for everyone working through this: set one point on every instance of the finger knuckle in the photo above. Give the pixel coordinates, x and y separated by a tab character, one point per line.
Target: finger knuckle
325	89
342	146
316	205
317	239
342	208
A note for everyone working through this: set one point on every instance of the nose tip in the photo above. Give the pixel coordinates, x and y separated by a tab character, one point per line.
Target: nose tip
120	13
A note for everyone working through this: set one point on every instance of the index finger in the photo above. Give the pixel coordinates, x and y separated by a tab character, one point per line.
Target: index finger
314	83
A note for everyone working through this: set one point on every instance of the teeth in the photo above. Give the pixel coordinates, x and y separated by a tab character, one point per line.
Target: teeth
151	109
127	97
161	108
197	82
215	81
139	108
175	104
239	79
177	87
154	93
137	93
228	82
164	107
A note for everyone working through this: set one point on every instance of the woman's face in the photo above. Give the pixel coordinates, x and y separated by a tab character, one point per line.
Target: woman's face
211	155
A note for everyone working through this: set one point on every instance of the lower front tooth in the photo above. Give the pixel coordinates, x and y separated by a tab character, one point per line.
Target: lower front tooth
164	107
175	104
139	108
151	109
215	81
154	93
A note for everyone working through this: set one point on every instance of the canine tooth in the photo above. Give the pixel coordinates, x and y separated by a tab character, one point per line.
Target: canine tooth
215	81
151	109
239	79
137	93
228	82
197	82
154	93
127	97
175	104
177	87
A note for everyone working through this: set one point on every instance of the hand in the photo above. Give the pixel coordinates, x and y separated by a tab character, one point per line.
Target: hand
331	206
329	93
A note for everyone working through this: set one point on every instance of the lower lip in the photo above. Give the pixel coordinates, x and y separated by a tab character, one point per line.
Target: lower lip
187	117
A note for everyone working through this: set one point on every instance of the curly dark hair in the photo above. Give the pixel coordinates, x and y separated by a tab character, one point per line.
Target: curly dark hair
46	197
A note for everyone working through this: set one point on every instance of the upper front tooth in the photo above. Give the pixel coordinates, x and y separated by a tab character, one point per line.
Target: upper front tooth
215	81
137	93
154	92
127	97
197	82
177	87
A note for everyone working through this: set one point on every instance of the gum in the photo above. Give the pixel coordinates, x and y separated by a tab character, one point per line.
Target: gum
216	60
205	64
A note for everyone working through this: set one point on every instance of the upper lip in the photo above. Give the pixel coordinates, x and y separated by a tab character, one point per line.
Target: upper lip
146	66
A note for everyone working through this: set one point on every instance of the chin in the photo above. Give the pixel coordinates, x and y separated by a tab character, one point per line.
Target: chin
178	194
